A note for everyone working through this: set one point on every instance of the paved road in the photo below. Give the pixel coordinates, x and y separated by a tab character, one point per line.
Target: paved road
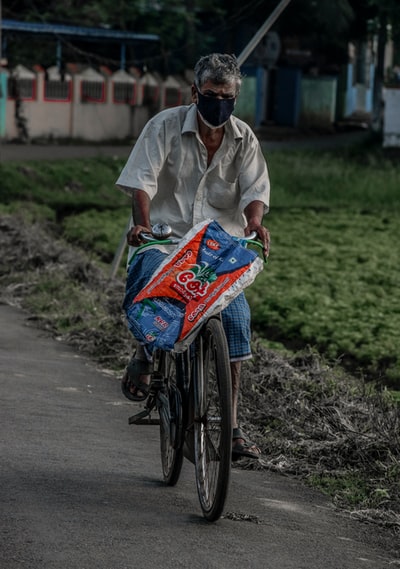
80	488
22	152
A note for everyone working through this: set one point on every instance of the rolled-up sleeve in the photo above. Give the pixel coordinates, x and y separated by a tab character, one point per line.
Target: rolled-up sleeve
148	152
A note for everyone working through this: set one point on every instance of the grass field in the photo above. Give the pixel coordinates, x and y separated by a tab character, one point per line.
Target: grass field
333	275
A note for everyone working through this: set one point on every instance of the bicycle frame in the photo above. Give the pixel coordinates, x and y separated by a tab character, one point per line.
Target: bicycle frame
186	374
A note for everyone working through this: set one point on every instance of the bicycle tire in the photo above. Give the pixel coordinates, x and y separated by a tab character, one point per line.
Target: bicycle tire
171	425
213	419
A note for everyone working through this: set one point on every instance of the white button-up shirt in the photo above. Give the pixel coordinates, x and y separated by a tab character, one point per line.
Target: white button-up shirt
169	162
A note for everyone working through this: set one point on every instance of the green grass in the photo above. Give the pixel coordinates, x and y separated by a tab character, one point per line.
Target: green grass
332	281
53	294
362	181
333	275
65	186
350	488
97	231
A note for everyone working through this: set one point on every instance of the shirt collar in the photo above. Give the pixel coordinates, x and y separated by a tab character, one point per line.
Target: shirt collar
190	123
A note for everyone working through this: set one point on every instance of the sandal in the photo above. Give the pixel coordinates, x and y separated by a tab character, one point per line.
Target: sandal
244	449
130	380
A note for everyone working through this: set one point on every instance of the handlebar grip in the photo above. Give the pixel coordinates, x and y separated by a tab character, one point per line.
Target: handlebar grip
147	237
252	236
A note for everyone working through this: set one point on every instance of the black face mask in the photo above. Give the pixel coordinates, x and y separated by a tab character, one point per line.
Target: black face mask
215	111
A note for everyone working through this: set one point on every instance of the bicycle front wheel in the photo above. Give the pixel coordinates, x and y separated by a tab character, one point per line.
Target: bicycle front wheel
213	419
170	410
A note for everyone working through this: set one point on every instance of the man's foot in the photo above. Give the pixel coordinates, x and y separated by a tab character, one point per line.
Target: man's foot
135	383
242	447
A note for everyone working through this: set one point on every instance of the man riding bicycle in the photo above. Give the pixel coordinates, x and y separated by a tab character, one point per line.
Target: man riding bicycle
191	163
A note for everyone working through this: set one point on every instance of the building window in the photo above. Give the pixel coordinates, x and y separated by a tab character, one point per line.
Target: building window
92	91
55	90
124	93
19	88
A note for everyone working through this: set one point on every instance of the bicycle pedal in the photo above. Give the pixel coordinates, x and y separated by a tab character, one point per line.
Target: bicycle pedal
143	418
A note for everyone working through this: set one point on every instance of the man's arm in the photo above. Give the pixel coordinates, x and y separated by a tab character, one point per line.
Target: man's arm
254	214
140	216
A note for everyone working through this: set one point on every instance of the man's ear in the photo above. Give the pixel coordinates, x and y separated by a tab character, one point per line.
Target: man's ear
194	94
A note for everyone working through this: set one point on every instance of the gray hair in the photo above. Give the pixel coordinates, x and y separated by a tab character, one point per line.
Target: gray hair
219	68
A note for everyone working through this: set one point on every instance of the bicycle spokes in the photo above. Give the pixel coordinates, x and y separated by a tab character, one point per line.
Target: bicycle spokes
212	426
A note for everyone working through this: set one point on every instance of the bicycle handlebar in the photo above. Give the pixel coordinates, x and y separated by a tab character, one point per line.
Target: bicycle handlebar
150	239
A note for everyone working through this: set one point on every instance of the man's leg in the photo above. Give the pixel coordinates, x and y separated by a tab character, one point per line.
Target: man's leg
239	441
140	355
235	373
236	322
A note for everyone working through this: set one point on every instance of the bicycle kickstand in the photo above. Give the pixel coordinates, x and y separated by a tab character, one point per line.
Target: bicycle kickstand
144	416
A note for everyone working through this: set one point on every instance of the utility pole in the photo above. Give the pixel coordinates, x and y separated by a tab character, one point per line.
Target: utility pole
267	25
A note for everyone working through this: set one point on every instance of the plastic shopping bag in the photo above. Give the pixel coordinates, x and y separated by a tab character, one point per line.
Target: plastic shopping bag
207	271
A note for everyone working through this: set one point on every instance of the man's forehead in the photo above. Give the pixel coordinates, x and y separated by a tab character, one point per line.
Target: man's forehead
219	88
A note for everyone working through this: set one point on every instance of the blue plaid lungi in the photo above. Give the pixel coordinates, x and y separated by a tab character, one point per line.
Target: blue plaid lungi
235	317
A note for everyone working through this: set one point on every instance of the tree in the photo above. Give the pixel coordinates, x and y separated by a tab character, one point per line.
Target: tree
177	22
190	28
118	14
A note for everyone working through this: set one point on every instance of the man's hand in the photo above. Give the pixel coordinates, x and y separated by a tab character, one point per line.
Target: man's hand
133	236
263	235
254	214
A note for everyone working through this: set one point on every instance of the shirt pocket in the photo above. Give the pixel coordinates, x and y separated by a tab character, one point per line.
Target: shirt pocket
222	193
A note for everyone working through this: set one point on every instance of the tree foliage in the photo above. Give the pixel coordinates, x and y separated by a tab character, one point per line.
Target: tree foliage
190	28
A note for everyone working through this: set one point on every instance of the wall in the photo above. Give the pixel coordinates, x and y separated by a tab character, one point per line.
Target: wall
80	117
3	102
391	118
358	96
245	107
318	101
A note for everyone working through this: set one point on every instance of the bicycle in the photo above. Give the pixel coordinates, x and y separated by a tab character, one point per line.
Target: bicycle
191	391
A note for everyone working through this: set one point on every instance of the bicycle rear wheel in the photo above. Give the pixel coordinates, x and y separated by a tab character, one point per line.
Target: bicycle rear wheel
213	419
170	410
